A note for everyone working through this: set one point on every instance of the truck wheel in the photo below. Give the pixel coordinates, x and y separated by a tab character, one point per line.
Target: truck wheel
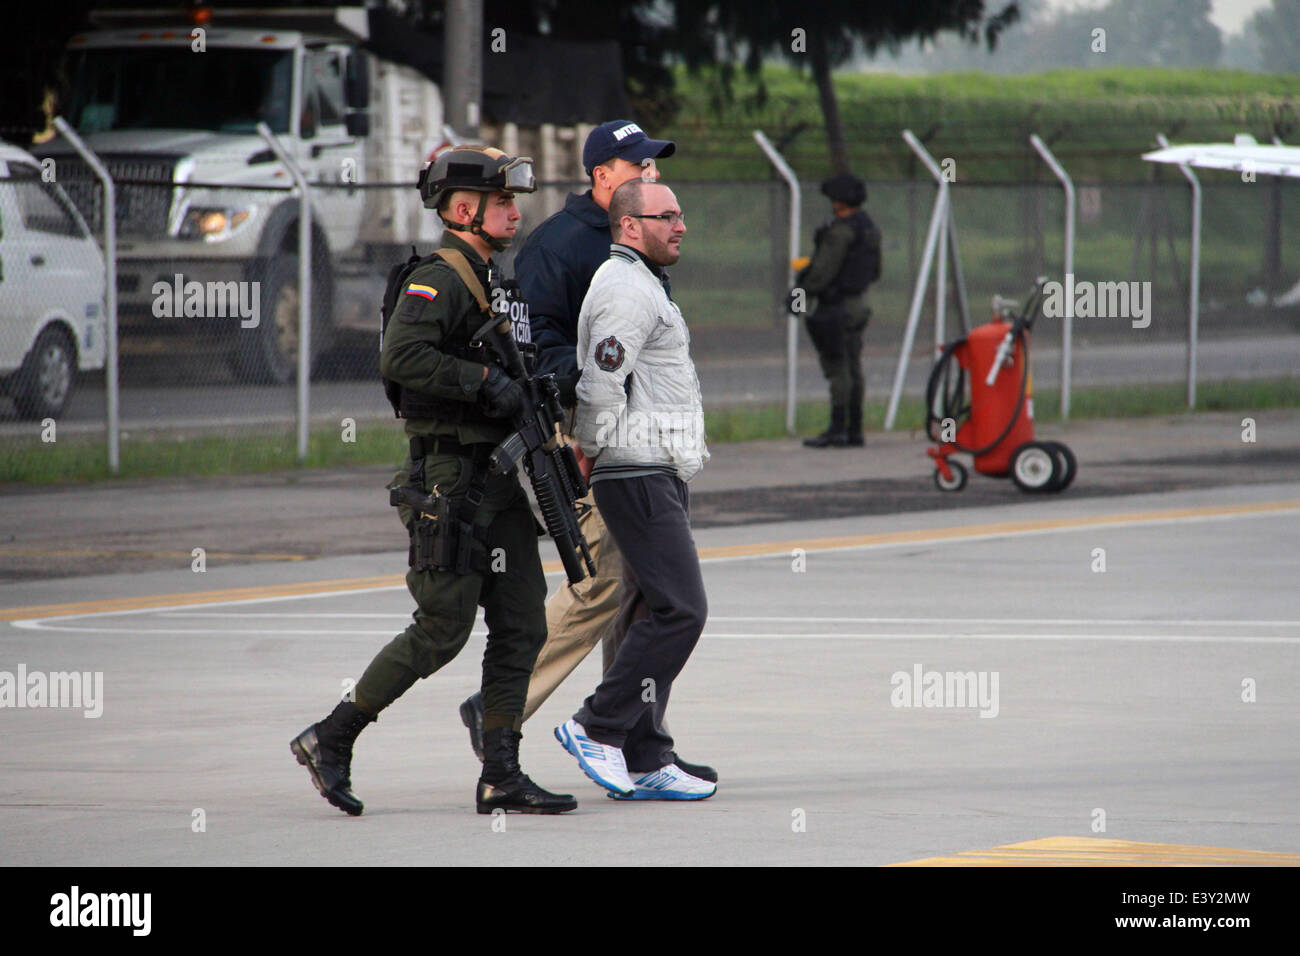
1035	467
268	354
44	383
958	478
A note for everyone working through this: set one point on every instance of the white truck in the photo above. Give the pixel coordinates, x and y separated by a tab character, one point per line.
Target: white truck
172	105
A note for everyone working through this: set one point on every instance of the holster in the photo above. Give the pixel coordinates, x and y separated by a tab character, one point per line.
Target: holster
445	535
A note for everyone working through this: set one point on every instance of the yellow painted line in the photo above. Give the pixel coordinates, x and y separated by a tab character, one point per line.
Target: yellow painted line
913	536
921	535
203	597
183	555
1095	851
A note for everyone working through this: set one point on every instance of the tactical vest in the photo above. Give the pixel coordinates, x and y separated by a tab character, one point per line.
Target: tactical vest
862	260
408	403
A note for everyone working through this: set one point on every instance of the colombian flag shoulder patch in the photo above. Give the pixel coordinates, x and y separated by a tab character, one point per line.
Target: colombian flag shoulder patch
426	291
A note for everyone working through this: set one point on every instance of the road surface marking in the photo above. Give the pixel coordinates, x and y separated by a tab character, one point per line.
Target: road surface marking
958	533
1095	851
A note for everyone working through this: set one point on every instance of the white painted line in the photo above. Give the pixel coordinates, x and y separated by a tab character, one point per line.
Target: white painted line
289	614
954	635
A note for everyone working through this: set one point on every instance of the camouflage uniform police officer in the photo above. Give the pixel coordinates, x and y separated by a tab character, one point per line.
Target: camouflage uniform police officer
479	547
846	260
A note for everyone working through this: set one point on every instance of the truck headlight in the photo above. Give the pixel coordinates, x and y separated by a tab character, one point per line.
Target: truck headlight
213	224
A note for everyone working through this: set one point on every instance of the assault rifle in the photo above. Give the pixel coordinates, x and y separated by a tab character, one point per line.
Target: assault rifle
549	462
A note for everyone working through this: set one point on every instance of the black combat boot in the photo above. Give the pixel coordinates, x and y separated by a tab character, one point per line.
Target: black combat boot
325	749
855	437
504	785
836	436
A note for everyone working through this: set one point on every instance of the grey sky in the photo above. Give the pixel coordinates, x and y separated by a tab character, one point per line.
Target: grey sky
1227	15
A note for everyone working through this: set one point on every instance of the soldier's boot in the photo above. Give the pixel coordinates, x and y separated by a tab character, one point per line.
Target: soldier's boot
325	749
504	785
837	436
855	437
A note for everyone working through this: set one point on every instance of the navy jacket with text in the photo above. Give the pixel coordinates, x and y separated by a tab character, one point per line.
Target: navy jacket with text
554	268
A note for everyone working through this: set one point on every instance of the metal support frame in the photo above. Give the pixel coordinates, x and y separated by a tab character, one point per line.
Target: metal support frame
304	285
1067	328
792	325
941	239
1194	281
113	422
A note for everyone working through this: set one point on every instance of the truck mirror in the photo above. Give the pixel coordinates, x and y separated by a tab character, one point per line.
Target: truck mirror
358	124
307	121
356	83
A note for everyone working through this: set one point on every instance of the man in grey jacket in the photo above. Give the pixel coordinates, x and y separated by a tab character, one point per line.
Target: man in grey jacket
640	416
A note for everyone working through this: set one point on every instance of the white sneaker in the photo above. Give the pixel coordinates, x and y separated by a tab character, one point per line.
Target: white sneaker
670	783
600	762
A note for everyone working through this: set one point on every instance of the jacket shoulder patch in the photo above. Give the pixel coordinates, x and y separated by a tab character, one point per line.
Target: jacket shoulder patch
610	354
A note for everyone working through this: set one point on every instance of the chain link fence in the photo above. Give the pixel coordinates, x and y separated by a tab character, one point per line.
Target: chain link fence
208	288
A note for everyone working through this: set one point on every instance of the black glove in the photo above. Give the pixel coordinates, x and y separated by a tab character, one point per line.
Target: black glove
500	396
567	385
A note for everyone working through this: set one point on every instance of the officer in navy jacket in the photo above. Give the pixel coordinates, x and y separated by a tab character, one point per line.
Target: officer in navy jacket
556	263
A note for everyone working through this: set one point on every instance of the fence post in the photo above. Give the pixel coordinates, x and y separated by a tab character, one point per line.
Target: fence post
1067	328
1194	282
304	286
936	240
110	293
792	326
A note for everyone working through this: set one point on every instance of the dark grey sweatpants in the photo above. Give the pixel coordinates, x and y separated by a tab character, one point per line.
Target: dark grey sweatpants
664	602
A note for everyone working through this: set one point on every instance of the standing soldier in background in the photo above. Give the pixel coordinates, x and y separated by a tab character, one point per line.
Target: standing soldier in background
555	266
845	260
458	406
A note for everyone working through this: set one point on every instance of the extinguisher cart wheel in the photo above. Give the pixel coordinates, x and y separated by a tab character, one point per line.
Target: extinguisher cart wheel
958	478
1035	467
1069	464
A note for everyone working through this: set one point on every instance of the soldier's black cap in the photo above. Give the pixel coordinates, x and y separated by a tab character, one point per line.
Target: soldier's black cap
845	188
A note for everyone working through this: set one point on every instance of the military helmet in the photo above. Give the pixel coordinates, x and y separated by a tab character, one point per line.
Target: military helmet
482	169
845	188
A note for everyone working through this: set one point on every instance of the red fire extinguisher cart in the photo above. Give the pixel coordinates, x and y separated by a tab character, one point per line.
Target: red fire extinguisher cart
993	419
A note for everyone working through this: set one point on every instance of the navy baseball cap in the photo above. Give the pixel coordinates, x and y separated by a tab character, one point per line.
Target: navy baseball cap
625	140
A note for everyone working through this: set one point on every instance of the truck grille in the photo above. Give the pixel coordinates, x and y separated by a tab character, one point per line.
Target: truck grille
142	206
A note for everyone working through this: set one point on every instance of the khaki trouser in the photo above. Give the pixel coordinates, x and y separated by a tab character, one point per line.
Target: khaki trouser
580	615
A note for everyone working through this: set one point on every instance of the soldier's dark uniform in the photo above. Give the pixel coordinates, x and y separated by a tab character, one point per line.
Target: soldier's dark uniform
845	260
426	351
427	354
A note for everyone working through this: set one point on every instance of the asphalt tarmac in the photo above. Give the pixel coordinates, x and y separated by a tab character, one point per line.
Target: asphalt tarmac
1079	675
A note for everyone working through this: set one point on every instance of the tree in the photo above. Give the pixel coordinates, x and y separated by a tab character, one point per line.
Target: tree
823	35
1277	29
1160	33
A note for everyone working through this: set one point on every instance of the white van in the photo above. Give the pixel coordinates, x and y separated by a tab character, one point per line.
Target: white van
51	290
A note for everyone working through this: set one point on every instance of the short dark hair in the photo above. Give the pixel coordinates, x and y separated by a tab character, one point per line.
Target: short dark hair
608	164
627	200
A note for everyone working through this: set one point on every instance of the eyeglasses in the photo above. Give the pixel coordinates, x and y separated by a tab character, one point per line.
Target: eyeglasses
672	218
